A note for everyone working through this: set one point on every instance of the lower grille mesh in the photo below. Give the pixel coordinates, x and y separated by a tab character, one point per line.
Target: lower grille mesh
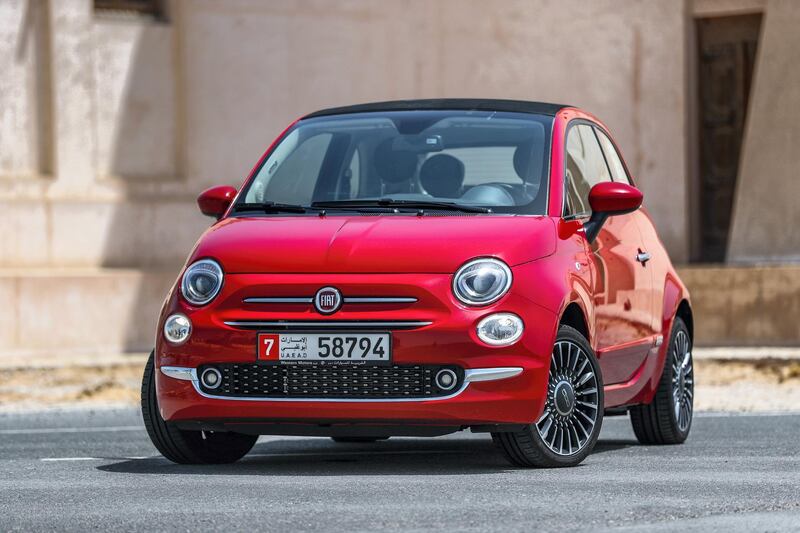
329	381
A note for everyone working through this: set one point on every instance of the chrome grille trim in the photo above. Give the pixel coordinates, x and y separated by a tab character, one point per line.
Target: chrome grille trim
179	372
328	324
347	300
378	300
278	300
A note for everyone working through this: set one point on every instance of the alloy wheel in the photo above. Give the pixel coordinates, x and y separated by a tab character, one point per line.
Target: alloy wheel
571	410
682	381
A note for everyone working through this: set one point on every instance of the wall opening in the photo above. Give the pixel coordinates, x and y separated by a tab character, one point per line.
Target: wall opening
726	52
154	8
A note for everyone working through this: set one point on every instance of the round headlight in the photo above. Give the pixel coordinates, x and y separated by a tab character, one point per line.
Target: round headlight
177	329
500	329
201	282
482	281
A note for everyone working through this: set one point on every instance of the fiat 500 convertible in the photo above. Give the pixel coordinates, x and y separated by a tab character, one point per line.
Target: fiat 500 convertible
417	268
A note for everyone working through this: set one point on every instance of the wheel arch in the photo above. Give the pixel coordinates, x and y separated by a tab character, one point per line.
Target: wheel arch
684	312
676	303
574	316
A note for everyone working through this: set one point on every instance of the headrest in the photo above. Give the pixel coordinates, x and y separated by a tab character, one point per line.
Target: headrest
525	152
394	166
442	175
522	161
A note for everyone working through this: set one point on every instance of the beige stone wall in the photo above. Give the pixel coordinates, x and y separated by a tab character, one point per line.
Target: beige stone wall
745	306
111	124
24	120
157	112
623	60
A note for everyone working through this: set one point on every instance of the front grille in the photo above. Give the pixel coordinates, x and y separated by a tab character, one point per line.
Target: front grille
252	380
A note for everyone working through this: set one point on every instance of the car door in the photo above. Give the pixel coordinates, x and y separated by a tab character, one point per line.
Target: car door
651	256
621	287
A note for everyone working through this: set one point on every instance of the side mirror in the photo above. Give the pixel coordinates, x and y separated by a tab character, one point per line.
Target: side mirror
609	199
215	201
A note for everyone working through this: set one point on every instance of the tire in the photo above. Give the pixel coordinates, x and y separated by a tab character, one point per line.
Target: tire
575	375
356	440
668	418
188	447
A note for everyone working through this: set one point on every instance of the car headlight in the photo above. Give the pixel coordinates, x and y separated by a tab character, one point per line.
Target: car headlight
201	282
482	281
500	329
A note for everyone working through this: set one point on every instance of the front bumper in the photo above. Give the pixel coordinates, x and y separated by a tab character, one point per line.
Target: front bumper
443	334
501	395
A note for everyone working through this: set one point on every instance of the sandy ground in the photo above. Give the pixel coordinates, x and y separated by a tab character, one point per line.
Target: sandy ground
722	385
731	385
36	388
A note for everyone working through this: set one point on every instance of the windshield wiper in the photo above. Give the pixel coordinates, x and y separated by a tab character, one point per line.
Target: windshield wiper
409	204
270	207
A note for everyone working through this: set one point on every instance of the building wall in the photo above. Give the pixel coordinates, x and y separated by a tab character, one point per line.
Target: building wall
111	124
143	115
289	58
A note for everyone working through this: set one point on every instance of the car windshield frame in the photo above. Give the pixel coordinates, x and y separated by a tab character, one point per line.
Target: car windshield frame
538	206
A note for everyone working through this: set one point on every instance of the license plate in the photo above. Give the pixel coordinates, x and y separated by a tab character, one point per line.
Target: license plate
348	348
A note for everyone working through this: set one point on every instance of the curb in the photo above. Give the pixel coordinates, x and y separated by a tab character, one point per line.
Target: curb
753	353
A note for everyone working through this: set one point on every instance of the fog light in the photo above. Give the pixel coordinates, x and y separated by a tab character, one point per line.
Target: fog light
211	378
500	329
177	329
446	379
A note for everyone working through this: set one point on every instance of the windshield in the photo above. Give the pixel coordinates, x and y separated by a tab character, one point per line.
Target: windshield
474	159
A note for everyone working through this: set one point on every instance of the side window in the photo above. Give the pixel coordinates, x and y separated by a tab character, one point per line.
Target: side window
586	167
612	156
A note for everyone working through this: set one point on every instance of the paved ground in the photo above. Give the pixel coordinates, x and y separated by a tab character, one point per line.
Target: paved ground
80	470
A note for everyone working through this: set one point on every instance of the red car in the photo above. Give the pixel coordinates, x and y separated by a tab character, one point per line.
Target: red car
419	268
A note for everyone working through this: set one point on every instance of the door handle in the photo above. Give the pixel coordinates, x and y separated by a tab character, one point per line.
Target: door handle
643	257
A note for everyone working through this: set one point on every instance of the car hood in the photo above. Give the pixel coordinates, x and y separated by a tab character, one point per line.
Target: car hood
372	244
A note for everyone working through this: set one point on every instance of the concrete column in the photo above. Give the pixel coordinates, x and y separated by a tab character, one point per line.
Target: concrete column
73	85
766	213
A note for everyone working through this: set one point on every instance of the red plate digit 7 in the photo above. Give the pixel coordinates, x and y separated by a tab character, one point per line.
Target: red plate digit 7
268	347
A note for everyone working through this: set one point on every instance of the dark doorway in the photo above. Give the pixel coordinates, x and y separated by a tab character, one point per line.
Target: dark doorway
725	62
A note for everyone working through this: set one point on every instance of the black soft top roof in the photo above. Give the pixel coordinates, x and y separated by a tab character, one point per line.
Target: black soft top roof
468	104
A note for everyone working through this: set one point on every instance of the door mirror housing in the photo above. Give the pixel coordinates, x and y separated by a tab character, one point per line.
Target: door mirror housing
609	199
214	202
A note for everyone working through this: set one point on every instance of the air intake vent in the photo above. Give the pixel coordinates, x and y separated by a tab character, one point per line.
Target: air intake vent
330	381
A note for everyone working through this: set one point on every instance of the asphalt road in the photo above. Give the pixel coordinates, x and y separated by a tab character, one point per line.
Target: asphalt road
81	470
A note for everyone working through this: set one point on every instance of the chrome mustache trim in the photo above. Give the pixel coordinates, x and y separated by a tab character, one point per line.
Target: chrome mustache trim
346	299
472	375
328	324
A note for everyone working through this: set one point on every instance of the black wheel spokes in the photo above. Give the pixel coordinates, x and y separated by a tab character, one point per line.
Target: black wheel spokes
682	381
566	428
